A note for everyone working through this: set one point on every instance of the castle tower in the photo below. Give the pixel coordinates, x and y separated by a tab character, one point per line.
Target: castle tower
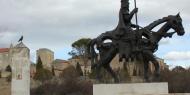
20	61
47	57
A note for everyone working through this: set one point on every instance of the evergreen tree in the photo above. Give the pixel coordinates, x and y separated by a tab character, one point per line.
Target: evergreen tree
79	70
41	73
80	50
53	70
79	47
0	74
39	64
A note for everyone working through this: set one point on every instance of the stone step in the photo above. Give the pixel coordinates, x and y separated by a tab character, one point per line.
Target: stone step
131	89
179	94
160	94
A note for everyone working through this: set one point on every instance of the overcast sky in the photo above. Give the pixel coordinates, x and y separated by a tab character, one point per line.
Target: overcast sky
55	24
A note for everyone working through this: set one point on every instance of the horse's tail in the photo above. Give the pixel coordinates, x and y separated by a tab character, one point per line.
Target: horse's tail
91	51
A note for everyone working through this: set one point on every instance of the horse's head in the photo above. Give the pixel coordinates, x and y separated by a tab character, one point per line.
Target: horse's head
176	24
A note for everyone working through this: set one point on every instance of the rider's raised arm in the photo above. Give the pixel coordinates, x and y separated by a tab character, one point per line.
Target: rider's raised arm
125	11
135	10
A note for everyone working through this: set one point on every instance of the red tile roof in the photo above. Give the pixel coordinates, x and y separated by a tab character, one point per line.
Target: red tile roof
2	50
60	61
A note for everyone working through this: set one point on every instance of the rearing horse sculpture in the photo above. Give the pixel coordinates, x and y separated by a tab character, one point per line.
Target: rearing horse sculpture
146	47
172	22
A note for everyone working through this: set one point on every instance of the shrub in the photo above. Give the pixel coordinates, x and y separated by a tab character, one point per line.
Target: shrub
79	70
67	84
104	77
178	82
68	87
69	73
43	75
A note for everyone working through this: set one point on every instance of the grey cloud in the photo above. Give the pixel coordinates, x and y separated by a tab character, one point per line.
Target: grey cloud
177	55
57	23
164	42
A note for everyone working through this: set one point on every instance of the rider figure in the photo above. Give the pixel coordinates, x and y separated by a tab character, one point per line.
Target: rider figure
125	33
126	15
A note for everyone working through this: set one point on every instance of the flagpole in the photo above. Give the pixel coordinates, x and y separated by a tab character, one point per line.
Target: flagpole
136	18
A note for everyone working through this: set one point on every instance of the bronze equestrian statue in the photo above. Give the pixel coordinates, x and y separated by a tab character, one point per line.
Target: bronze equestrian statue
129	43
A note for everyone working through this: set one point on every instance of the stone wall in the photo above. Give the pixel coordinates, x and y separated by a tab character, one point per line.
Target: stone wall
85	68
3	60
59	66
5	87
134	68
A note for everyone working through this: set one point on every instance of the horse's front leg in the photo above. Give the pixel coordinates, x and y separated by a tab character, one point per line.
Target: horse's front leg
106	59
151	57
98	70
146	66
157	69
113	74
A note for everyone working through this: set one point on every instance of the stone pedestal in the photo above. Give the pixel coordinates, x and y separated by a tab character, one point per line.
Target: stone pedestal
131	89
20	61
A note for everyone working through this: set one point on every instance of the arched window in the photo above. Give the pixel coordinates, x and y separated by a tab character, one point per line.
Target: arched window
8	68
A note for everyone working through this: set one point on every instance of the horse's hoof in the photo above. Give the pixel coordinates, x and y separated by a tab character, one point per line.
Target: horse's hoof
93	66
116	81
147	79
157	78
157	75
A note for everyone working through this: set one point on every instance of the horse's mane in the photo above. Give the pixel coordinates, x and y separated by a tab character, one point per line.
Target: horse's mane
155	23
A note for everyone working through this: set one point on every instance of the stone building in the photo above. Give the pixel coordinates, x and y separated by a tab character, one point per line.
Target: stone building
162	65
135	69
59	65
47	57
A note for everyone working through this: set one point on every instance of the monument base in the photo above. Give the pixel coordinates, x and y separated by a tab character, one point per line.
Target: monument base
131	89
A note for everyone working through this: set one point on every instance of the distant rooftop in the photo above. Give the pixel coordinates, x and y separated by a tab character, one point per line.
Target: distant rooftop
2	50
60	61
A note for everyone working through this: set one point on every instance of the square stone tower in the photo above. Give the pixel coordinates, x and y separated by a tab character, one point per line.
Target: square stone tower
20	63
47	57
